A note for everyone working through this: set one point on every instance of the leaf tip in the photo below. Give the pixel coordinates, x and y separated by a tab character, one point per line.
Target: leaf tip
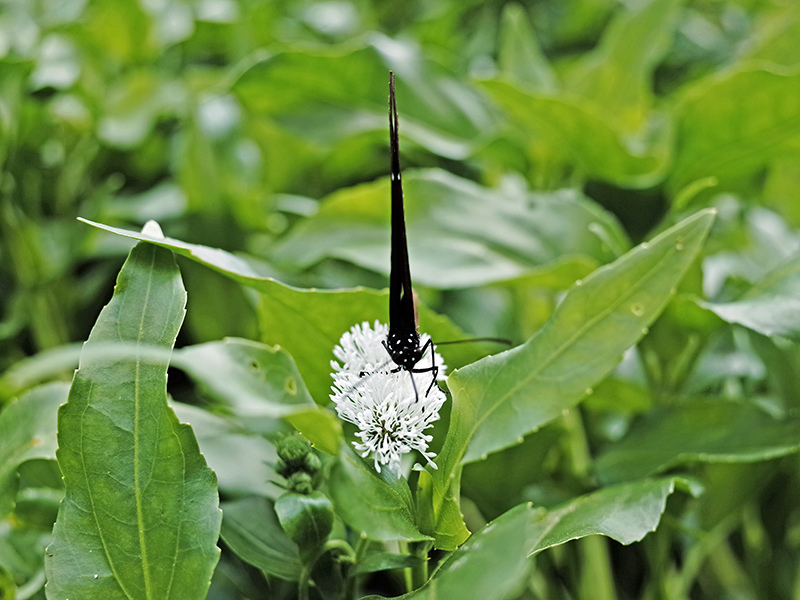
153	229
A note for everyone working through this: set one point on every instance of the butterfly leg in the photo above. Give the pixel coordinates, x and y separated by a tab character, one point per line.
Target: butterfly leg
433	369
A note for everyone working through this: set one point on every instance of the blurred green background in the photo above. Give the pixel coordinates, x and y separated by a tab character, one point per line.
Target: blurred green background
227	121
539	140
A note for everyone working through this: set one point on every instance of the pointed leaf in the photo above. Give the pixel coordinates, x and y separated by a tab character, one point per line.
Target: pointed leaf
251	529
378	506
478	235
771	307
140	516
520	55
494	561
618	75
575	127
702	431
501	398
764	104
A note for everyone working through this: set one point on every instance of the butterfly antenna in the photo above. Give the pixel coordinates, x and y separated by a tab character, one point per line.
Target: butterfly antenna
480	339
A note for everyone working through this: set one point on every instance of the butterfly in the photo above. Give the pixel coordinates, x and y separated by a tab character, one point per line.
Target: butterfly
403	342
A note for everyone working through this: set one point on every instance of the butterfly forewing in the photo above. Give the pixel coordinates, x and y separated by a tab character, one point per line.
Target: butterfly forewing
403	342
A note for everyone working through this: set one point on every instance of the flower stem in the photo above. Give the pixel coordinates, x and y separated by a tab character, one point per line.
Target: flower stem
419	572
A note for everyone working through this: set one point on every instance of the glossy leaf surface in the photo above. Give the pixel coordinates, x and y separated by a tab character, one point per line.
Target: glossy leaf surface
140	516
501	398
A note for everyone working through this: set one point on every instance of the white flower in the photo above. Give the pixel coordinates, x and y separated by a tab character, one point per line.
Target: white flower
390	417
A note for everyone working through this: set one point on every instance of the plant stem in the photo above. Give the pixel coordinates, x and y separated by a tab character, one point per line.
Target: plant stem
303	584
596	580
419	572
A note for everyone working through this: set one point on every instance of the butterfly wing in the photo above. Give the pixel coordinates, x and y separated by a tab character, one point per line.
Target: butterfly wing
402	308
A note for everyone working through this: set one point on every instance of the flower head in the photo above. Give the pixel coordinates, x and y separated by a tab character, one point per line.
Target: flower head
390	416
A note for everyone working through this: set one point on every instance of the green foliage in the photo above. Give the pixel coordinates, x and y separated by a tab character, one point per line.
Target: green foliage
140	517
613	186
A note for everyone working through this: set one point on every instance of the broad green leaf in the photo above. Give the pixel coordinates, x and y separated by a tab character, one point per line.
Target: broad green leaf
764	105
27	431
378	506
617	75
330	94
140	517
577	130
258	384
460	234
494	561
501	398
520	56
251	529
242	460
223	262
42	366
308	323
699	431
254	381
383	561
771	307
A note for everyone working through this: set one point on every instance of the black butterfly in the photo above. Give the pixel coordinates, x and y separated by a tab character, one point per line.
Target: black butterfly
403	341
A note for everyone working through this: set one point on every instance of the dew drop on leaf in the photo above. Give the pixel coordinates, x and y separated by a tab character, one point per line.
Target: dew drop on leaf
637	309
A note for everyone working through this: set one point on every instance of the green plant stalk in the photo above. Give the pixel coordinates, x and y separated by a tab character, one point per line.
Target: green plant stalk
597	580
303	584
419	572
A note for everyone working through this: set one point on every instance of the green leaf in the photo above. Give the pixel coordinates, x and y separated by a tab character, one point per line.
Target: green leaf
309	323
241	460
378	506
617	75
520	56
251	529
501	398
255	381
27	431
700	431
477	235
575	128
763	103
384	561
259	384
771	307
306	519
326	95
140	517
495	560
625	513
